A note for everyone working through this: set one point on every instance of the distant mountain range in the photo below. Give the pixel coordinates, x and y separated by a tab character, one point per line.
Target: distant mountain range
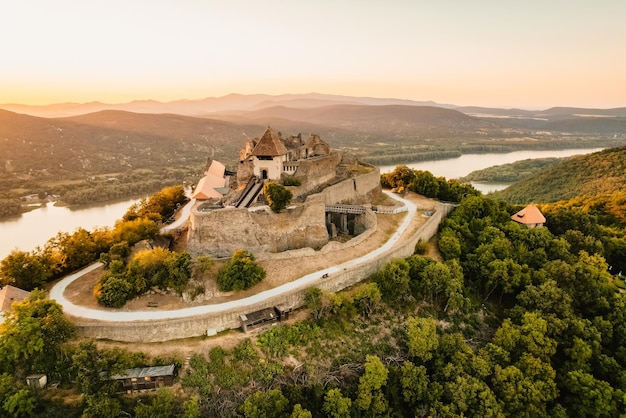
346	112
97	139
202	107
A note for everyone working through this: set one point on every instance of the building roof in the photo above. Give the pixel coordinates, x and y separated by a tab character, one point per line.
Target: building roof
529	215
10	294
270	145
141	372
212	184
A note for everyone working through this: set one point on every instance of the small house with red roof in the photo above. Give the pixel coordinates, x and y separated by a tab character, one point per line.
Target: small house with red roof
530	216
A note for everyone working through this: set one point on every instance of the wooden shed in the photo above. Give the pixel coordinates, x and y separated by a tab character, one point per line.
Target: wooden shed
145	378
265	316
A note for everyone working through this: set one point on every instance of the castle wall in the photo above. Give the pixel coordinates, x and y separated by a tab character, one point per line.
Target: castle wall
316	171
353	190
165	330
219	232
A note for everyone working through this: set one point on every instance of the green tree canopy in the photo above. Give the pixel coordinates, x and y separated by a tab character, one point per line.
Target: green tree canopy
277	195
33	335
240	273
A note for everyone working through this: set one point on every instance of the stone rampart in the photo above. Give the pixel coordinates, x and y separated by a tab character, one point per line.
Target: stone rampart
314	172
219	232
166	330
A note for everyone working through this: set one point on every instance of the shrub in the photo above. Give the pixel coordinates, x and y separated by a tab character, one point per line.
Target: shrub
240	273
291	181
277	196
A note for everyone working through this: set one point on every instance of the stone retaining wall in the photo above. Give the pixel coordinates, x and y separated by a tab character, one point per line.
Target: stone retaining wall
166	330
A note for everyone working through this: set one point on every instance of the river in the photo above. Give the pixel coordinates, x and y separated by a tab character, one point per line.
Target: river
35	228
461	166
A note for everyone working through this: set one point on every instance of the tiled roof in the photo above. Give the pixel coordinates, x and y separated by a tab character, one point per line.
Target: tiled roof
270	145
10	294
529	215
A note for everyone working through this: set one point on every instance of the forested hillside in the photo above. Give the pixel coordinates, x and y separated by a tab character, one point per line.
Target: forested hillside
583	175
509	173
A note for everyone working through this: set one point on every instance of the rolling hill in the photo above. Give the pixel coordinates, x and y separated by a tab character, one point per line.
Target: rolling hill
36	153
602	172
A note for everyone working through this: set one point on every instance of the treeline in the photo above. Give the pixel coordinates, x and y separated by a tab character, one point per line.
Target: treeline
67	252
509	173
425	183
10	207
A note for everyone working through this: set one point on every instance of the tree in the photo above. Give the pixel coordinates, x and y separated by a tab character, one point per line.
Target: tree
370	395
399	178
589	397
101	406
33	335
300	412
270	404
278	196
113	291
414	381
393	280
422	337
24	270
21	404
336	405
240	273
191	408
162	405
316	302
425	184
367	298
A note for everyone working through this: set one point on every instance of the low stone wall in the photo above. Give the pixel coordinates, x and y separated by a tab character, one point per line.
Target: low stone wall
166	330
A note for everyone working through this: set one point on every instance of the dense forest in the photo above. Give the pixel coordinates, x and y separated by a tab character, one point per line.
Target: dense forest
509	321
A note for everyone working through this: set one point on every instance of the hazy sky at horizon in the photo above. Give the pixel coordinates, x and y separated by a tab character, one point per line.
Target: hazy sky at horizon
530	54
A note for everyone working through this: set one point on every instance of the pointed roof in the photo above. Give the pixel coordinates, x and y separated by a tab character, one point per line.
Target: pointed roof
270	145
10	294
529	215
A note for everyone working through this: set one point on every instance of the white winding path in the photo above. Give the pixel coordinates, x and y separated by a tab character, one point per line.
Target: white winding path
57	292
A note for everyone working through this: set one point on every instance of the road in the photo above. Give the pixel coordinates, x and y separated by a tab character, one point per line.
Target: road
57	292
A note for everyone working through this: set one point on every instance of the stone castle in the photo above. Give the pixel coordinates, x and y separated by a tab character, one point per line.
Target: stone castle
333	197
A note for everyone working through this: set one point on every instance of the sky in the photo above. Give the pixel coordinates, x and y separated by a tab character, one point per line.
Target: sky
501	53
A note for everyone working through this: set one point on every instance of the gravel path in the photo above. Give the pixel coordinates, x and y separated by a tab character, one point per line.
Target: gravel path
57	292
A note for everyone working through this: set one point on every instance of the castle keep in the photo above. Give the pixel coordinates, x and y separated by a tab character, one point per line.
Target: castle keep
226	219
